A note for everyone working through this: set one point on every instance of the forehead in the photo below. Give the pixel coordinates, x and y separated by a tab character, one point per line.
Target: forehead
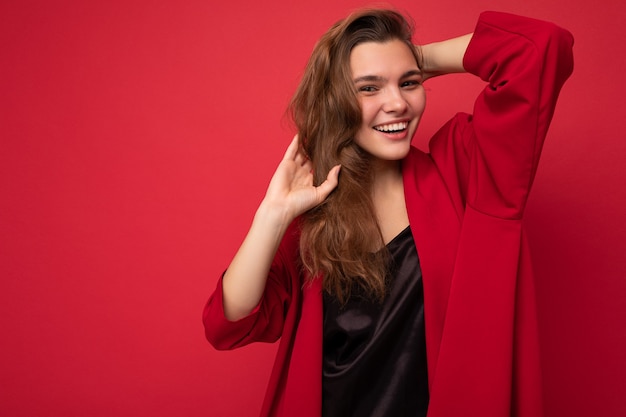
381	58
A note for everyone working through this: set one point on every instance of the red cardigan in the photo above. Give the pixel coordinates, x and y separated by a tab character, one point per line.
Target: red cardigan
465	201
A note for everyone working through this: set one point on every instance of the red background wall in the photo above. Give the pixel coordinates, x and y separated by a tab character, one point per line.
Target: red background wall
136	141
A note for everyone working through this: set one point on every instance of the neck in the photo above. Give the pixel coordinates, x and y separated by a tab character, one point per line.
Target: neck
387	175
388	200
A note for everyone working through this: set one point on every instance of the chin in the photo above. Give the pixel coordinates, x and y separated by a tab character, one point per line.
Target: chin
398	155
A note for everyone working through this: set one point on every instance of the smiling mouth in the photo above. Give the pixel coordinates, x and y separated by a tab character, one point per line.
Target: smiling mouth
392	127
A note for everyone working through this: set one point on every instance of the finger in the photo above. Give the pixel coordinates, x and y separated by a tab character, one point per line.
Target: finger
332	179
292	149
300	158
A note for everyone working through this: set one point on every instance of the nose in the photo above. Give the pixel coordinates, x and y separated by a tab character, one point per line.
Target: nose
394	101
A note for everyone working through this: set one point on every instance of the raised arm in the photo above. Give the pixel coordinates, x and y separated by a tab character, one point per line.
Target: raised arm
445	57
492	155
290	193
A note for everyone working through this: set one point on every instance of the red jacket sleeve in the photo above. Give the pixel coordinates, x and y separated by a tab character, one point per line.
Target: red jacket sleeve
482	343
492	155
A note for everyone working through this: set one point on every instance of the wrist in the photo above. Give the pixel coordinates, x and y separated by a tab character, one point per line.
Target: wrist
273	216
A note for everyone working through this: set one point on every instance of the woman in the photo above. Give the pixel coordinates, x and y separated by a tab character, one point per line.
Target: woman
330	264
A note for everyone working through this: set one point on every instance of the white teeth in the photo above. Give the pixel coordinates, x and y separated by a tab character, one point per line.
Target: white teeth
393	127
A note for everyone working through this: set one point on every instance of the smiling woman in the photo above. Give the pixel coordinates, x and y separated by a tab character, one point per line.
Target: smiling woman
391	97
402	285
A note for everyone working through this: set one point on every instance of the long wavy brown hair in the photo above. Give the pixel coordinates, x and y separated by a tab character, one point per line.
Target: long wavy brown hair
341	239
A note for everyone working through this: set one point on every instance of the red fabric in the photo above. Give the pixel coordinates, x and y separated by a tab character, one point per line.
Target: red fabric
465	201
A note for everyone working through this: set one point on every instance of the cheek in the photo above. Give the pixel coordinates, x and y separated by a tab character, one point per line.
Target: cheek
419	101
369	109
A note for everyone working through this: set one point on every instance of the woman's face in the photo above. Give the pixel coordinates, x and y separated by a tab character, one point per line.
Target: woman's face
392	99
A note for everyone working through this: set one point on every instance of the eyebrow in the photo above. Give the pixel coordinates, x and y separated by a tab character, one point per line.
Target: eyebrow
378	78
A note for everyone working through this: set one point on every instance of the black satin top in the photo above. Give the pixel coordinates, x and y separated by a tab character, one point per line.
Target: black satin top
374	362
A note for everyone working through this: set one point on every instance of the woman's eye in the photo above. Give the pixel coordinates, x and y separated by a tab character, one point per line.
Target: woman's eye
410	83
368	89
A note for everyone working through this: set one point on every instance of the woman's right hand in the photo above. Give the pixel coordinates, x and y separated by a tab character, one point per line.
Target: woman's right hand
291	191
